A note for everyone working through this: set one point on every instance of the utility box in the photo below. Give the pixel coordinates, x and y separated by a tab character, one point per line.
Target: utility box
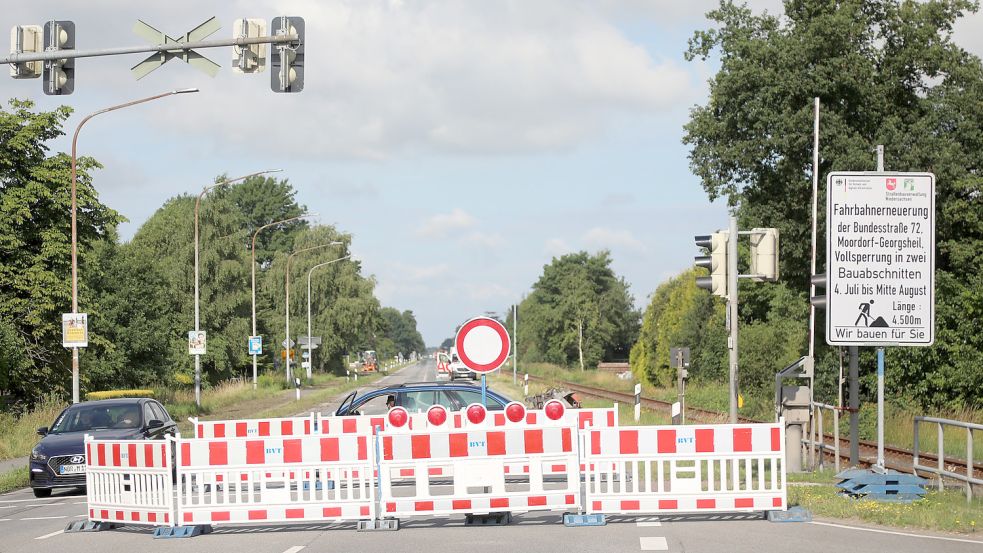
795	404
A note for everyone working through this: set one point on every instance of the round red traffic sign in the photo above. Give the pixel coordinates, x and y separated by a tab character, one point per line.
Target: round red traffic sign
483	344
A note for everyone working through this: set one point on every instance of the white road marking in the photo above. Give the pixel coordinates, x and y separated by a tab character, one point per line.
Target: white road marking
46	536
4	519
42	504
653	544
44	518
294	549
16	500
893	532
648	523
80	503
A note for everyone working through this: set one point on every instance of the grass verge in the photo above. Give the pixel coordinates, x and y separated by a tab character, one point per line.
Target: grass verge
14	480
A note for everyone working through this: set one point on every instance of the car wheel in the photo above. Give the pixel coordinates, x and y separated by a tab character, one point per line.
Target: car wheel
42	492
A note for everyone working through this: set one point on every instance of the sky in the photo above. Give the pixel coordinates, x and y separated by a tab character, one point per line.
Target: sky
462	144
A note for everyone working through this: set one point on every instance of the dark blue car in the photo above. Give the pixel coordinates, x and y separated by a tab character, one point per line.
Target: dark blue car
58	461
418	397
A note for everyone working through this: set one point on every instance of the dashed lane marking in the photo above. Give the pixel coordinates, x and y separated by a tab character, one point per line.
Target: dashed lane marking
294	549
45	518
46	536
895	533
648	523
657	543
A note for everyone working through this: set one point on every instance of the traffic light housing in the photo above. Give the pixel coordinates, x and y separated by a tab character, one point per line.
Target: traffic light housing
819	300
59	75
716	262
252	58
764	254
26	39
287	59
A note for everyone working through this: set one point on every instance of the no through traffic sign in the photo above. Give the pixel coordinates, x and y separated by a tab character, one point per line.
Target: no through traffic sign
483	344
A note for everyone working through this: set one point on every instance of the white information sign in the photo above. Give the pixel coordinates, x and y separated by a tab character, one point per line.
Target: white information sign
880	259
74	330
196	342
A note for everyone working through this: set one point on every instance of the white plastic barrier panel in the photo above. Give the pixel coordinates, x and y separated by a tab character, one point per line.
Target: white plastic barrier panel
477	483
253	428
129	481
274	480
681	469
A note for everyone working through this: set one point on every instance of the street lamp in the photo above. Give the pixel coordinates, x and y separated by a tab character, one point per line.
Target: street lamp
197	319
287	307
310	349
75	298
253	252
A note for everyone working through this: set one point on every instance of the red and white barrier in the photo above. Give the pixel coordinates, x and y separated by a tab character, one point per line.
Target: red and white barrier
273	480
253	428
478	460
675	469
129	481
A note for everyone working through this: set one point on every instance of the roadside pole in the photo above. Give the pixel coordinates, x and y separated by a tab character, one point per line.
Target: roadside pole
880	361
732	314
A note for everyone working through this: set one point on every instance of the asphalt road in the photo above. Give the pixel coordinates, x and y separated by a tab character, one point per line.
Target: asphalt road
29	524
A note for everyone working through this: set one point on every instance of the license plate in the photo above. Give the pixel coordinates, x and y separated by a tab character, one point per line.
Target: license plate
72	469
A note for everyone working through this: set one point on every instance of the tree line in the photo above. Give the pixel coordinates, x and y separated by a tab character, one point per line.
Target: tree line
886	72
139	293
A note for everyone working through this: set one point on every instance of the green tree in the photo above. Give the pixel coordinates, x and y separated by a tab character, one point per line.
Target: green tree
886	72
35	286
400	328
579	313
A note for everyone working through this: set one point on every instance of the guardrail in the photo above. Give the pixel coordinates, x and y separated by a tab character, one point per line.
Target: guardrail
940	469
818	434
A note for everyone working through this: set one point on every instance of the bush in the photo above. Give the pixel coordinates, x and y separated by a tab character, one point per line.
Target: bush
111	394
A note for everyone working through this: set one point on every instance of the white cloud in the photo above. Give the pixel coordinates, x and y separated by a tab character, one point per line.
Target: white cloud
602	237
556	247
483	240
446	224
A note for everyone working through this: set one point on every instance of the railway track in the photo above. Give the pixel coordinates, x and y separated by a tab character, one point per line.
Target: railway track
895	458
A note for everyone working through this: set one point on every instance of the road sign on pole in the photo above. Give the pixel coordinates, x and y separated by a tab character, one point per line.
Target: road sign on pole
255	345
196	342
74	330
880	259
483	344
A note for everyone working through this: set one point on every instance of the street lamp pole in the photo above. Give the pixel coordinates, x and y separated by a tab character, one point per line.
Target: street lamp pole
253	253
75	299
204	191
310	349
287	302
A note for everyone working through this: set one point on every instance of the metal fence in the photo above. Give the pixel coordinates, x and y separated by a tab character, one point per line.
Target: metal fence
941	469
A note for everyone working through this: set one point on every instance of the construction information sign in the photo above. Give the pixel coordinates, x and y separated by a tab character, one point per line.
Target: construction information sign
880	258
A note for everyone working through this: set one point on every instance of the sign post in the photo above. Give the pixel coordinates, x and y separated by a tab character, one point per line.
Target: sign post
196	347
880	264
483	345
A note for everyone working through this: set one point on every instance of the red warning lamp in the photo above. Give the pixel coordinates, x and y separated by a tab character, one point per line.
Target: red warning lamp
437	415
515	411
398	417
554	410
476	413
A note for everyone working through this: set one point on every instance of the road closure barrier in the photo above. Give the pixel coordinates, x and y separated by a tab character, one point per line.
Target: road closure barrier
685	469
129	481
435	463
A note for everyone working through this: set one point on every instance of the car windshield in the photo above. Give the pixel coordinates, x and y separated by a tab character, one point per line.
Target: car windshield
80	418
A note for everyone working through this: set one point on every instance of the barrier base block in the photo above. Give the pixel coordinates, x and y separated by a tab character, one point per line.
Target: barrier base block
166	532
793	514
574	519
490	519
89	526
384	525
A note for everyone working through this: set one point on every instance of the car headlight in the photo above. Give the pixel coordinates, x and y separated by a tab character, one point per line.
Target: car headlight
38	456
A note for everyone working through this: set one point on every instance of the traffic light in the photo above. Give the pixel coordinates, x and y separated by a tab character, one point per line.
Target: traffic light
59	75
252	58
764	254
716	262
819	300
26	39
287	59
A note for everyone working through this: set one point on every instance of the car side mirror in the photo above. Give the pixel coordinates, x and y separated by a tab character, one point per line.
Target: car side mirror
155	424
43	431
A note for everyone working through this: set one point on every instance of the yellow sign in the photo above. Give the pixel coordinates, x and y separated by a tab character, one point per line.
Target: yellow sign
74	330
